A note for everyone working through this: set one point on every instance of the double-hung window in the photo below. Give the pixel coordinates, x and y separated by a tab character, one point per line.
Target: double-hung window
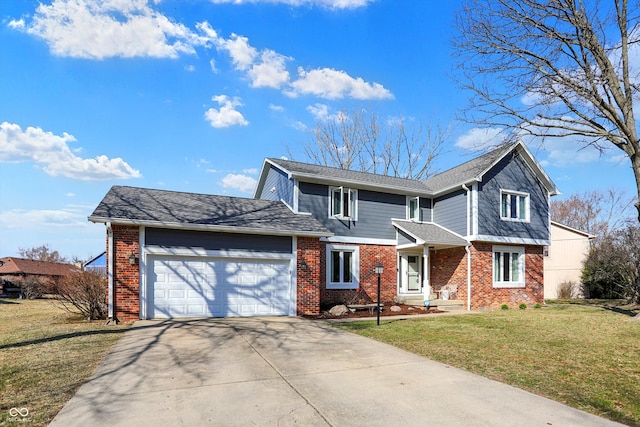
508	267
343	202
514	206
342	267
413	208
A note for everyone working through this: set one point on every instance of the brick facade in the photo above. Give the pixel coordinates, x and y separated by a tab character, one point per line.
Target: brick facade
370	256
449	266
309	276
126	277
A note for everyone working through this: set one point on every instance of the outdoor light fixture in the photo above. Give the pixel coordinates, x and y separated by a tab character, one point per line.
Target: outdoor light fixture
132	259
303	265
379	270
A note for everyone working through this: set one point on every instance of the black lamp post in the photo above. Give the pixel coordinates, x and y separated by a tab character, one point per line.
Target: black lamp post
379	270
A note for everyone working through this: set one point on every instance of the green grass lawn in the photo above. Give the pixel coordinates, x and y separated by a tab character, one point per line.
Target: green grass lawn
46	354
584	356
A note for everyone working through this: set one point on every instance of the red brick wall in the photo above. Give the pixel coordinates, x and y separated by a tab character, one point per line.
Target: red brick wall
449	266
309	276
370	256
126	276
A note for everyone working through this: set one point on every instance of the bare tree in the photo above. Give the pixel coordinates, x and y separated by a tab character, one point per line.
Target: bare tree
596	212
359	140
554	68
83	293
42	253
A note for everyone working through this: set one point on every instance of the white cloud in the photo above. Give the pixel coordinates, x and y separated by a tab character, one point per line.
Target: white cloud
190	68
70	194
244	183
270	72
226	115
335	84
44	218
16	24
274	107
52	152
327	4
241	52
111	28
477	139
250	171
565	151
320	113
212	64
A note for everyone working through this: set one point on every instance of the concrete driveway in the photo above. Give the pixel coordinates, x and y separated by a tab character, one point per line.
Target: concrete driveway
290	371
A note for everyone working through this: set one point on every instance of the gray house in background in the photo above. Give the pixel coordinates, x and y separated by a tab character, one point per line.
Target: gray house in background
313	235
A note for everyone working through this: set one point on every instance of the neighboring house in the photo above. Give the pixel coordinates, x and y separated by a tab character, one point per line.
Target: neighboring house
17	270
313	235
564	260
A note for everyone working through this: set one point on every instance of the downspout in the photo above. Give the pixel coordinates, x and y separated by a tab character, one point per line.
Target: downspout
110	263
467	248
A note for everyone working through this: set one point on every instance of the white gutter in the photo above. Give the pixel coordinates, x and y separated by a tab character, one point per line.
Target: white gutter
110	264
466	248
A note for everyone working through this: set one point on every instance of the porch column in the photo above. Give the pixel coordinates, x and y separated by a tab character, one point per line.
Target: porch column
426	285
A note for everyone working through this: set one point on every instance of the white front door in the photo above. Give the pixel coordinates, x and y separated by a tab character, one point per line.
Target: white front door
410	274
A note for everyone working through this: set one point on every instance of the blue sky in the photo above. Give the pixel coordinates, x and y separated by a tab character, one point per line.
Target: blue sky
191	95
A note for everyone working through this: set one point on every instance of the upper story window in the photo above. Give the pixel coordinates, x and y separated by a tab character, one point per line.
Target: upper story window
508	267
343	202
413	208
514	206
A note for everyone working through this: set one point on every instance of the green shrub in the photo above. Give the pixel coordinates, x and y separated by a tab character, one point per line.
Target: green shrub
537	305
522	306
504	307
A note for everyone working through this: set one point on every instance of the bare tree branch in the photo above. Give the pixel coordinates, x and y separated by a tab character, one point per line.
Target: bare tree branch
554	68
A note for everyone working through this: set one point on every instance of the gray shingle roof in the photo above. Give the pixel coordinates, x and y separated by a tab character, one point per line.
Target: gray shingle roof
431	233
349	176
466	171
171	208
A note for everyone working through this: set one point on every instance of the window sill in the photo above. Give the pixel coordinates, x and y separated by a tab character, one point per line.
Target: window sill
508	285
342	286
526	221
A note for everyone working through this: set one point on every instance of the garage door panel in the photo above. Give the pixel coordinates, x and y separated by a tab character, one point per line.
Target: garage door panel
190	287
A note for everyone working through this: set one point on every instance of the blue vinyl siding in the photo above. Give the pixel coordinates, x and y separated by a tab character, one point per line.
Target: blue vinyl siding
375	210
168	238
514	175
450	212
425	208
281	185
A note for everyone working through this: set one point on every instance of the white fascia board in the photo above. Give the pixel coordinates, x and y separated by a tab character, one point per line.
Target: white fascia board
262	177
457	186
204	227
510	240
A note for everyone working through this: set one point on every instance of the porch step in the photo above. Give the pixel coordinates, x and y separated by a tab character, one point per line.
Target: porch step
418	300
448	305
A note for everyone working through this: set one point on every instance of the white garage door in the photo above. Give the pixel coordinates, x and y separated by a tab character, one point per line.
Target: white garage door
207	287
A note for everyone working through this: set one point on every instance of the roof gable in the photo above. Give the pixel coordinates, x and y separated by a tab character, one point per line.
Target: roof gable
172	209
475	169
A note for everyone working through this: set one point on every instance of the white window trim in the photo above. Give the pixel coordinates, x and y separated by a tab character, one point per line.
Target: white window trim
521	255
355	283
527	207
354	214
408	216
